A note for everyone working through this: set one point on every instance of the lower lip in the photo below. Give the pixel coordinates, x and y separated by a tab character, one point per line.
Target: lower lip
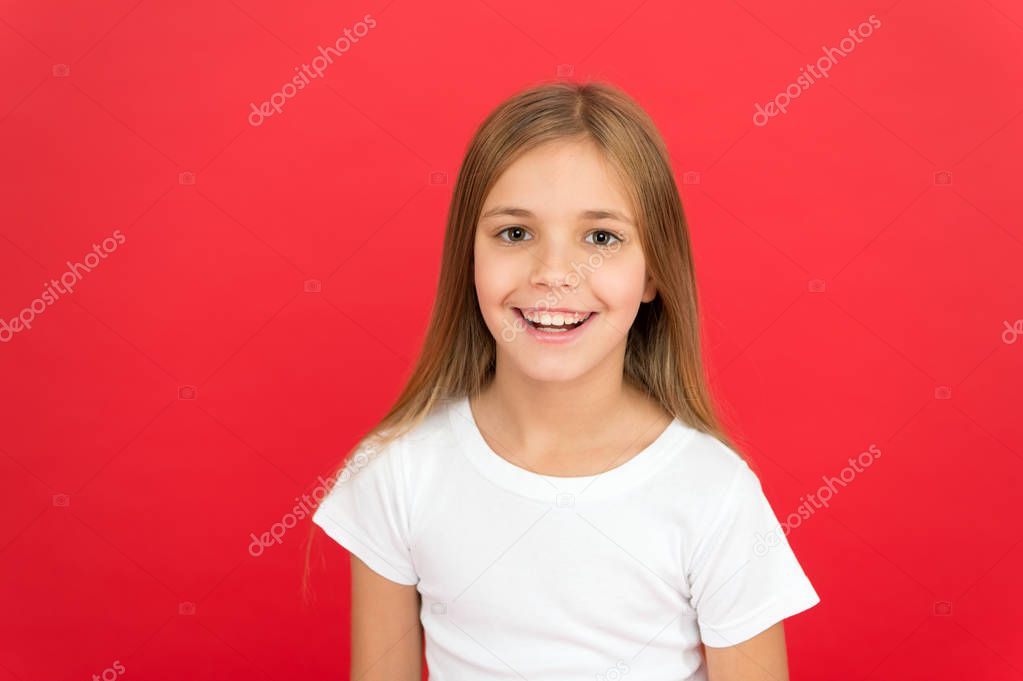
556	336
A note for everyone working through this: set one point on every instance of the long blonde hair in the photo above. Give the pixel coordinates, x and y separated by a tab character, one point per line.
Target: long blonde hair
662	356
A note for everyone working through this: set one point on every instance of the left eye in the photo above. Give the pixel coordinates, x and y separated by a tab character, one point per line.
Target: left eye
514	228
609	235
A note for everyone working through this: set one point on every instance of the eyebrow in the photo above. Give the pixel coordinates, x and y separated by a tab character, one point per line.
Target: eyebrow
592	214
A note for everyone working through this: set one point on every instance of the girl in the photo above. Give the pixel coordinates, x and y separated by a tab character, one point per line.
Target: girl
552	496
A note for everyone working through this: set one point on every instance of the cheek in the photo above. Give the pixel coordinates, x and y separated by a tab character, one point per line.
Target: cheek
619	281
496	276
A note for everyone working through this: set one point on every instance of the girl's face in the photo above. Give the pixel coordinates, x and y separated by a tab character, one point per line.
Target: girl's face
557	235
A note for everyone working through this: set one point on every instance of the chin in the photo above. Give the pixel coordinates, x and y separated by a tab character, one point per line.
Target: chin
550	369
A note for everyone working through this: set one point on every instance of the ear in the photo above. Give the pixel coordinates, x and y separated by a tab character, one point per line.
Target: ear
650	290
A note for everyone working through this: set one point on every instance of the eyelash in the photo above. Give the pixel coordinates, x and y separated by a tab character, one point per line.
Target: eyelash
619	237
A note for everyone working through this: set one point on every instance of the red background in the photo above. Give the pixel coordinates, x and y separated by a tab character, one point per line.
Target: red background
162	493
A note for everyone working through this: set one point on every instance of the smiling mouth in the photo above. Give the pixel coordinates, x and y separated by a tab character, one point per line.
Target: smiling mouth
555	322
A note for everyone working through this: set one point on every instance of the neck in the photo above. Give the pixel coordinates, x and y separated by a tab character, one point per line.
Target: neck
557	418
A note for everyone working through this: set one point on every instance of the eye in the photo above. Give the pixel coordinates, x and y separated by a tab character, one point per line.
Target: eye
519	230
607	235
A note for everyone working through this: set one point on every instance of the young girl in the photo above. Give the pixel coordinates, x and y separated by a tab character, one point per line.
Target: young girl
552	496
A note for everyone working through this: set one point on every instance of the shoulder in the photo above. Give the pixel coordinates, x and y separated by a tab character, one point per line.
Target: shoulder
696	458
415	446
706	462
704	480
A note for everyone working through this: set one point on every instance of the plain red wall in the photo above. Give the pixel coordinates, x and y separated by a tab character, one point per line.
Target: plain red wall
121	501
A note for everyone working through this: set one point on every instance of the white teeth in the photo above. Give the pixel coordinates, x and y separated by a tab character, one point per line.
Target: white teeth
555	319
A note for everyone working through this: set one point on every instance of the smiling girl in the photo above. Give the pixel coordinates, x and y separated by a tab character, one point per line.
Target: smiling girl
552	496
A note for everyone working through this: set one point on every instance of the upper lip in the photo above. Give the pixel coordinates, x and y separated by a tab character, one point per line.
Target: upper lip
553	310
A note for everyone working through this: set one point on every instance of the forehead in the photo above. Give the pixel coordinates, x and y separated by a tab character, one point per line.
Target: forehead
561	177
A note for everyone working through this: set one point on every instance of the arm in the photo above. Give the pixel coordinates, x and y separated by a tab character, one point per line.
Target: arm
386	632
761	658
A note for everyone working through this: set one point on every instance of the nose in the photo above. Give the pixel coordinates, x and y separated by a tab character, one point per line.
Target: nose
552	267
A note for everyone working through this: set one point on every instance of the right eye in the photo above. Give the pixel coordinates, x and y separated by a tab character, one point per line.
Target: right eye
518	230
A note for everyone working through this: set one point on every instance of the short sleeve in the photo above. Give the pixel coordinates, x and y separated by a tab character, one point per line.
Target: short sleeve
743	575
367	512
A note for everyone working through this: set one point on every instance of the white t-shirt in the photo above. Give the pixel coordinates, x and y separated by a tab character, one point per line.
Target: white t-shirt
522	575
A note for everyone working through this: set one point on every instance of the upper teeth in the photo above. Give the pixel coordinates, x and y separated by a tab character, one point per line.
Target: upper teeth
555	319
